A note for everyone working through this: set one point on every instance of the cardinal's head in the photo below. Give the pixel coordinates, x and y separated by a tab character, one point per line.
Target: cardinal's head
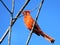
26	12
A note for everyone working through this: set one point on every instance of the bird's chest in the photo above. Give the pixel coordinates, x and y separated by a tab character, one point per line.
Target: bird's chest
28	22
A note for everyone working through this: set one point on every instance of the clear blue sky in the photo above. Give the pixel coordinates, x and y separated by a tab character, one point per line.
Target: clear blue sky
49	21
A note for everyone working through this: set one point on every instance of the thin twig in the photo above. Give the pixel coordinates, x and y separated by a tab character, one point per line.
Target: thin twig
6	7
18	14
29	37
13	2
11	19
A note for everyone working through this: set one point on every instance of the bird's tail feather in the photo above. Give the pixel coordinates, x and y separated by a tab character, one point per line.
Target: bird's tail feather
50	39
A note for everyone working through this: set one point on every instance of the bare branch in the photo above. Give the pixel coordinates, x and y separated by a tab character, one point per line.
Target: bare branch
18	14
11	19
6	7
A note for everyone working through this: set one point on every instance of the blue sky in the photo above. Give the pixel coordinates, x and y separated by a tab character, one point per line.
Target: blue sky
49	21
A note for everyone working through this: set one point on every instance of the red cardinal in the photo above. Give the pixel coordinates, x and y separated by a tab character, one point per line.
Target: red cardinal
28	20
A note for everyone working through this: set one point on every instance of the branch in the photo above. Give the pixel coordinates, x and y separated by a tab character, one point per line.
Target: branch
18	14
6	7
11	19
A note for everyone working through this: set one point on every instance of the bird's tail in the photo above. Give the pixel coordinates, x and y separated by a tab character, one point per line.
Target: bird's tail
50	39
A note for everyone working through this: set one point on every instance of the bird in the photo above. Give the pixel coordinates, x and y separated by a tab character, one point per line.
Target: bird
28	20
